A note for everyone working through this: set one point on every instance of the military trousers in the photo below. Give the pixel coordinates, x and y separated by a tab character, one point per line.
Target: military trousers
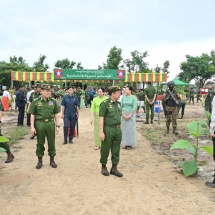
171	116
151	109
112	141
45	130
192	99
5	146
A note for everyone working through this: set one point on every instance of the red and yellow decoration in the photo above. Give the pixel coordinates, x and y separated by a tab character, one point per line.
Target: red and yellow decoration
49	77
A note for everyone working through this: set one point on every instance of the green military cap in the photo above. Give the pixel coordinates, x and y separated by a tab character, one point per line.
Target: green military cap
209	82
46	87
37	85
113	89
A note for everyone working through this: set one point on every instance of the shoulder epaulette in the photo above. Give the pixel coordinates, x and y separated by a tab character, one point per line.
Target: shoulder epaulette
35	99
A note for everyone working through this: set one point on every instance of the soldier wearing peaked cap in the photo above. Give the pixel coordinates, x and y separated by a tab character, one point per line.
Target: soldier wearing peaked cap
110	131
45	122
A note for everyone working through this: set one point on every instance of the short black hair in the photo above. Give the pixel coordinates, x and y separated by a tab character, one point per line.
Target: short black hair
130	88
101	88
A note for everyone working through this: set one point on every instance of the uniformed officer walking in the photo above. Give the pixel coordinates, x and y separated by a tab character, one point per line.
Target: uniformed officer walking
150	96
45	122
172	100
110	132
191	95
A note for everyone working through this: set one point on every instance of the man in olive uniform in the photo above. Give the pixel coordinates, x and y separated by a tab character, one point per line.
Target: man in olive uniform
79	94
44	122
191	95
4	145
150	96
209	97
110	132
198	96
141	99
172	101
34	95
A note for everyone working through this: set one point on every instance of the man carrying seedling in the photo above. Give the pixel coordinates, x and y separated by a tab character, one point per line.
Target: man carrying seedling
4	145
172	100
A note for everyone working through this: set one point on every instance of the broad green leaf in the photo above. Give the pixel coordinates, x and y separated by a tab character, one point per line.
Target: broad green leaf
181	144
203	162
206	132
208	149
203	123
2	150
192	150
208	114
189	167
3	139
194	129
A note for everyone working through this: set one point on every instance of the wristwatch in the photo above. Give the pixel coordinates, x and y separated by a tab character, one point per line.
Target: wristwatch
57	126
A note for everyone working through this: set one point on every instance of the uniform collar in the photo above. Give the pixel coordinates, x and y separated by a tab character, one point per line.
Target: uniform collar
44	100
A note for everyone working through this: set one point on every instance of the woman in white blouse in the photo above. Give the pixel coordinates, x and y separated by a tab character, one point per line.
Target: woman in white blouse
5	98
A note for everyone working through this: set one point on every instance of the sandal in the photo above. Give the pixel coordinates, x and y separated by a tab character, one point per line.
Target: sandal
97	148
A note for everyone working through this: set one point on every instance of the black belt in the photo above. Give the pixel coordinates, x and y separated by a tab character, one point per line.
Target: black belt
112	126
44	120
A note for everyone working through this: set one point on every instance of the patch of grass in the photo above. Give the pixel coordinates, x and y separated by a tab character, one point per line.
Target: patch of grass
17	134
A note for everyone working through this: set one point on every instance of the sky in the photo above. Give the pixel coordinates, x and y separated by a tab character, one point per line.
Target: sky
84	31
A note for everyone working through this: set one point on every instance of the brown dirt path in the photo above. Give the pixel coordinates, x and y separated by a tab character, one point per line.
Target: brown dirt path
150	184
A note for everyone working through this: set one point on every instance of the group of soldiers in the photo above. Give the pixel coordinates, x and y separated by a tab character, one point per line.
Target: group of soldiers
44	105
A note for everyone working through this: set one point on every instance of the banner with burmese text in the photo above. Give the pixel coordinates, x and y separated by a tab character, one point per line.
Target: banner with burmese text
49	77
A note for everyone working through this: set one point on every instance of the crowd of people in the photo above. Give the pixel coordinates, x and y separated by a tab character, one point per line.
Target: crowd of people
113	112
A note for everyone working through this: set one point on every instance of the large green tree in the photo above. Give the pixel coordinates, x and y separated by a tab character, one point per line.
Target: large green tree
14	64
40	65
200	68
67	64
114	59
137	62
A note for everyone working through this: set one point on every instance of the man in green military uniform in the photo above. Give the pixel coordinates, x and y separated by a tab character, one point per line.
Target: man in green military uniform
198	96
87	97
5	145
34	95
44	122
209	97
141	99
172	100
191	95
79	94
150	95
110	132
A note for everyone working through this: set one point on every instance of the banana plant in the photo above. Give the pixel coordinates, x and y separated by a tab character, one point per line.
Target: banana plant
196	129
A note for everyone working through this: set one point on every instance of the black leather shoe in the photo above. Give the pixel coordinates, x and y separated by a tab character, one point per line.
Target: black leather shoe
64	142
70	141
146	122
